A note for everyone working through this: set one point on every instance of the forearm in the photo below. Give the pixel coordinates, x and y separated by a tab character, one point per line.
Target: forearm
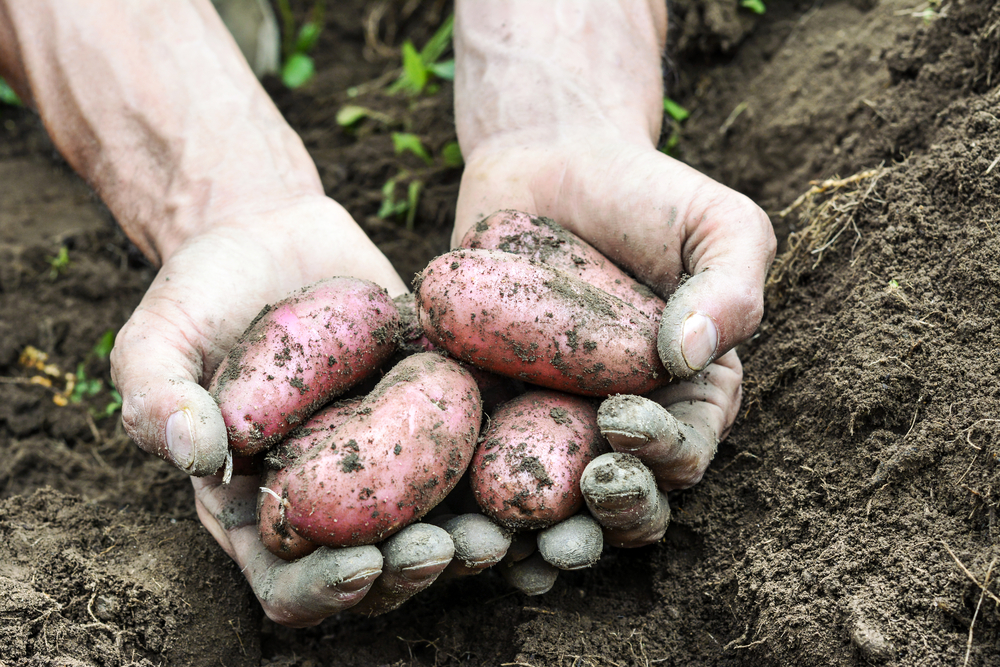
536	73
153	104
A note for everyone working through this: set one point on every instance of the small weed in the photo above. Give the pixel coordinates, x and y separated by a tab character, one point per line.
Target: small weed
59	264
8	96
298	65
404	142
756	6
678	115
419	66
451	154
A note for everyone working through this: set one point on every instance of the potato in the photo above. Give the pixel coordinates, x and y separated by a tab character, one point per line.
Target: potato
526	471
279	537
404	449
545	241
523	319
298	354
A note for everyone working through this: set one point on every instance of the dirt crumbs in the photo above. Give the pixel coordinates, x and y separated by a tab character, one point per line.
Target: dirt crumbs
83	584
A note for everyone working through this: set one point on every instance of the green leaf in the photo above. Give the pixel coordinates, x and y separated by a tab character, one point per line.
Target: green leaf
350	114
404	141
452	155
756	6
308	36
675	111
297	70
414	76
445	70
390	207
8	96
103	348
439	42
412	199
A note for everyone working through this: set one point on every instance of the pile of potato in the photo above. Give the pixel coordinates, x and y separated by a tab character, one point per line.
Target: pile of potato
525	318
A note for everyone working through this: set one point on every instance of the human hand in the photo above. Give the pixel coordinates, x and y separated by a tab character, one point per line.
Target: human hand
202	299
558	109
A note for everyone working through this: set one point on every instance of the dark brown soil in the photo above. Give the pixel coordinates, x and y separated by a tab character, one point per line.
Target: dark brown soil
846	520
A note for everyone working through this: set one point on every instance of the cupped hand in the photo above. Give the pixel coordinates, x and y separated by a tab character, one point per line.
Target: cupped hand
703	247
204	296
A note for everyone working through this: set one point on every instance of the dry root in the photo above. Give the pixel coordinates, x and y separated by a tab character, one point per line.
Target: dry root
827	210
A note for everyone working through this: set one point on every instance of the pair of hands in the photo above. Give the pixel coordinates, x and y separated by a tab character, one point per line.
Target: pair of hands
649	213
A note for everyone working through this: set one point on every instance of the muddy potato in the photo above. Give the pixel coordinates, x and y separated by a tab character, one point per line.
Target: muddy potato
526	471
543	240
403	450
298	354
526	320
272	502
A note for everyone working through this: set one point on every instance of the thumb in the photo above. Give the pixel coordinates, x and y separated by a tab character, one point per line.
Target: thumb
164	409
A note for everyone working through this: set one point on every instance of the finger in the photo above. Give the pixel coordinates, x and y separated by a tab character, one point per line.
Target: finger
164	409
623	496
297	594
573	544
679	222
521	546
479	544
531	576
681	439
412	559
655	217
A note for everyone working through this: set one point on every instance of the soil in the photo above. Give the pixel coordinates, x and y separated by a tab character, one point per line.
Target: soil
849	519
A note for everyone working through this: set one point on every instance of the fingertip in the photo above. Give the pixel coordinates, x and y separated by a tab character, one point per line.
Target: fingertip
178	421
573	544
531	576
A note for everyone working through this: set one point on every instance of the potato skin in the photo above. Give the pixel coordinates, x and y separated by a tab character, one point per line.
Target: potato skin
404	449
272	524
523	319
543	240
526	471
298	354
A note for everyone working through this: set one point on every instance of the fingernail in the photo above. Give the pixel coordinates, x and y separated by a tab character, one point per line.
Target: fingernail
424	570
359	581
180	443
699	341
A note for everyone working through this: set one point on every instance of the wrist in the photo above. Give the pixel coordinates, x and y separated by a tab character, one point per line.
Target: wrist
546	74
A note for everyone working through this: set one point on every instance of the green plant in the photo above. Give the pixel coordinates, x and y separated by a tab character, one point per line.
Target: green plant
756	6
8	96
404	142
298	66
59	264
419	66
86	387
451	155
394	208
678	115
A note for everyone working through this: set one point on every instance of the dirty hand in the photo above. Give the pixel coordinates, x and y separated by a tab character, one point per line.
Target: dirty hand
206	178
202	299
558	109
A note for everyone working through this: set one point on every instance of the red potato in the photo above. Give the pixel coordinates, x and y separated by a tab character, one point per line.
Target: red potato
526	471
404	449
543	240
272	503
298	354
523	319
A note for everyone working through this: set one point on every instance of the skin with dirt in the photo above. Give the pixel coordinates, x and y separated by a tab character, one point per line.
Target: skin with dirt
846	520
